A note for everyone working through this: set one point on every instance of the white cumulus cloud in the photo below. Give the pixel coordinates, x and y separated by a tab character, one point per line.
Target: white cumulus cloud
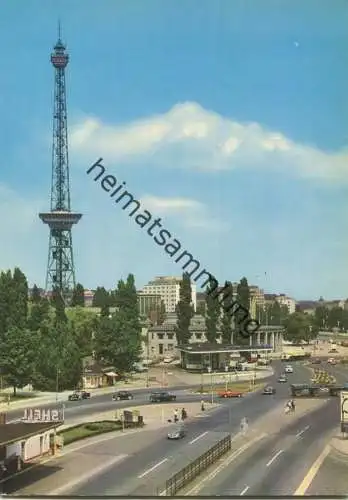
189	136
191	213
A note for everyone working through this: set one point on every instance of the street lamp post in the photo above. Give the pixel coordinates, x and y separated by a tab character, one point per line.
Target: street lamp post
57	383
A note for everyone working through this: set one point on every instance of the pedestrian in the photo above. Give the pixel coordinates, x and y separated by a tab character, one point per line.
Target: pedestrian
293	407
176	415
183	414
202	405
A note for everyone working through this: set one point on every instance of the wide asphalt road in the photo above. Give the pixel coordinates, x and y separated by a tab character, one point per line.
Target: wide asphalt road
277	464
148	459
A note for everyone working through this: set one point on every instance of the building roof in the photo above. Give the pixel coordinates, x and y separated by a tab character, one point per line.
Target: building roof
10	433
206	347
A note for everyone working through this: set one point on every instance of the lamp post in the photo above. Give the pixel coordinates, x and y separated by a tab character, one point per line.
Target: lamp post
57	383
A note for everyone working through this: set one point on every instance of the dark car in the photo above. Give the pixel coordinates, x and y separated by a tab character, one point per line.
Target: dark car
269	390
122	395
316	361
177	433
78	395
159	397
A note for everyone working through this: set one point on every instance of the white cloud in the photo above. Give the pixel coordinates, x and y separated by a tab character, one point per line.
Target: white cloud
189	136
190	213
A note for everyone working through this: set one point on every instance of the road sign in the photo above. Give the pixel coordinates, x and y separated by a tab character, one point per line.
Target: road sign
344	407
43	415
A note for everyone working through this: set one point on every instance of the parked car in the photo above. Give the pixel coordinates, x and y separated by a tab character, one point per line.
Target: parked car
230	394
122	395
289	369
160	397
333	351
269	390
177	433
316	361
78	395
282	379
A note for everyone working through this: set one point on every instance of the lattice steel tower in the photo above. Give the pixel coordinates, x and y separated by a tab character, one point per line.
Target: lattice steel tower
60	269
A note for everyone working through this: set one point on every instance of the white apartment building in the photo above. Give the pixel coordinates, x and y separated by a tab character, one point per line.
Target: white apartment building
290	303
168	287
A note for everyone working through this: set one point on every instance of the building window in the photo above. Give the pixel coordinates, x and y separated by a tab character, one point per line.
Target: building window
160	336
160	349
170	336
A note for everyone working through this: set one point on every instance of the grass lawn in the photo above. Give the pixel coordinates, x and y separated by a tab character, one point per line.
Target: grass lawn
241	386
17	397
83	431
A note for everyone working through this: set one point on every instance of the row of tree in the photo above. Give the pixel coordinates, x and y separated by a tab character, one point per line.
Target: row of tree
44	344
220	322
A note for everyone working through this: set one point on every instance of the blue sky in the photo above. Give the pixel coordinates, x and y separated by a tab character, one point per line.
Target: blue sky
228	119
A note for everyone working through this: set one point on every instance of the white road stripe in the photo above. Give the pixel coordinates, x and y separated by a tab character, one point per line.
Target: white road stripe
244	491
303	431
274	458
152	468
198	437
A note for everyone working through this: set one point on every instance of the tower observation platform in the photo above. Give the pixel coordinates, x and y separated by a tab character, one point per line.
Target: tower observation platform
60	219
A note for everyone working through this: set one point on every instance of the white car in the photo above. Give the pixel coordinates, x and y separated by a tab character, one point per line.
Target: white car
289	369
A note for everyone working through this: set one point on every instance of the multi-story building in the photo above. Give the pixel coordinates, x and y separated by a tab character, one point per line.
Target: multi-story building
307	306
148	303
290	303
168	288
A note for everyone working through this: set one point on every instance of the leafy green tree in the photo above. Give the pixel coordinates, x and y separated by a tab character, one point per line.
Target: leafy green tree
59	306
298	327
78	297
115	345
241	314
335	317
227	304
101	298
321	316
84	325
213	312
39	310
118	338
184	311
20	297
17	356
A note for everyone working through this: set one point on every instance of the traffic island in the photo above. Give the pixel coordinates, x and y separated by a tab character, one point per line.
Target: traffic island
86	430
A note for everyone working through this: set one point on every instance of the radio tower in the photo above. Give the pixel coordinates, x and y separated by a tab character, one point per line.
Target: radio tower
60	268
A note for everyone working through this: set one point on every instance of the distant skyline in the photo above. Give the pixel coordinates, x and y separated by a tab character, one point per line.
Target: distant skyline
227	119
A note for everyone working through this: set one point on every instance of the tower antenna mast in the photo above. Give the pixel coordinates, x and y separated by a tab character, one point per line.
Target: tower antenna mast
60	275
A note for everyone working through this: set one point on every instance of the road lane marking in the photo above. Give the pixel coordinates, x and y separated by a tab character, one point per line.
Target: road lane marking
225	463
198	437
303	431
88	475
244	491
152	468
274	458
308	479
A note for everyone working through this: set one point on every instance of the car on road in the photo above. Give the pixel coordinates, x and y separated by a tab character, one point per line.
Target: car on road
289	369
178	432
78	395
269	390
316	361
282	379
332	361
161	397
230	394
333	351
122	396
